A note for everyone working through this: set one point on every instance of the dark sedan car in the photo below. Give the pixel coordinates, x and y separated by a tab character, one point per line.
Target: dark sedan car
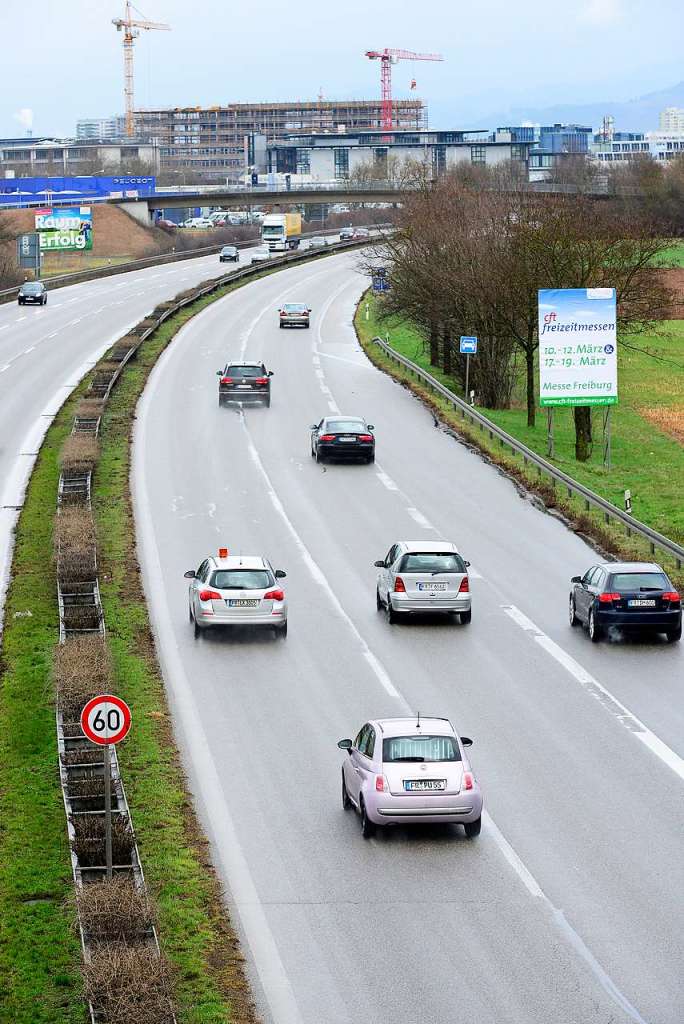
342	437
32	291
626	596
244	382
229	254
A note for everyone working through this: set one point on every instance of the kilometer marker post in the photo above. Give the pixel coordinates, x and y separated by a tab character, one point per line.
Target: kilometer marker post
106	720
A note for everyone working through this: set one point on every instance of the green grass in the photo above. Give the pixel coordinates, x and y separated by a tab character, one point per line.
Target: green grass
671	257
55	266
645	459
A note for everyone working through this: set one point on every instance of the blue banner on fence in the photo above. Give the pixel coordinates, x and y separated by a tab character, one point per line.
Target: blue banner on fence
48	191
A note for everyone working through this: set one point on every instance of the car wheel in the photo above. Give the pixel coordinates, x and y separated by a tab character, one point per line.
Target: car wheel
572	613
346	802
197	629
594	628
367	826
472	828
465	617
281	631
378	600
371	458
673	635
319	455
390	612
281	326
267	403
45	301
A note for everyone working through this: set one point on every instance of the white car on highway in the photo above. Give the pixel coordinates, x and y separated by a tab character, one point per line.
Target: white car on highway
419	577
236	590
261	255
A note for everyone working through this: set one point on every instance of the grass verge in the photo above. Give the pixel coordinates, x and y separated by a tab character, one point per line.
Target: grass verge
645	459
40	957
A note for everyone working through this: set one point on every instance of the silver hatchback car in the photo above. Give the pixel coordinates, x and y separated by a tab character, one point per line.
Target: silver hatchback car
408	770
418	577
236	590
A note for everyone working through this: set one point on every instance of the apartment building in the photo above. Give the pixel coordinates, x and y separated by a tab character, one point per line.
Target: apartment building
671	120
220	140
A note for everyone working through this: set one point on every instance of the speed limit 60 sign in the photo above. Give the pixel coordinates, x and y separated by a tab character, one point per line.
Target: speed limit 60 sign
106	719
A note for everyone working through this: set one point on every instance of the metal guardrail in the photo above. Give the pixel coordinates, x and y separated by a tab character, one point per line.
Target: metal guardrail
557	476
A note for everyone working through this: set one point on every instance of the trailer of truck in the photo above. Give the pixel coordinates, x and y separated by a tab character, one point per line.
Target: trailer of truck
281	231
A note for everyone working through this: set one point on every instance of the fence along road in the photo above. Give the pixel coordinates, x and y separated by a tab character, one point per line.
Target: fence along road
563	911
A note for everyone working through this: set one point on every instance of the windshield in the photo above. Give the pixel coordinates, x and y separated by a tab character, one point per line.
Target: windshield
245	371
639	581
229	249
420	748
31	289
432	561
273	229
241	579
345	426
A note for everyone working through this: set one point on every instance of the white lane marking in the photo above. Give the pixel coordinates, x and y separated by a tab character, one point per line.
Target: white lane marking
386	480
334	407
606	699
27	350
316	572
53	335
5	327
320	374
5	367
316	360
419	518
326	390
19	319
365	365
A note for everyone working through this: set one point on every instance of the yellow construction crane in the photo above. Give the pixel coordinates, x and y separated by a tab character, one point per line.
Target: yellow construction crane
130	27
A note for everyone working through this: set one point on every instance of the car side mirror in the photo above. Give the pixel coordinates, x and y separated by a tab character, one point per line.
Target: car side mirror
270	373
309	311
576	579
314	426
345	744
219	373
379	564
370	426
280	574
466	562
466	741
189	575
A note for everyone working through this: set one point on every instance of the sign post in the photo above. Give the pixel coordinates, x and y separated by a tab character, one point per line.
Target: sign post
28	252
106	720
379	282
468	349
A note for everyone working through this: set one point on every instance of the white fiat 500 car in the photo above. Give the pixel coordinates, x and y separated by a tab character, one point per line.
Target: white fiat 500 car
418	576
401	771
236	590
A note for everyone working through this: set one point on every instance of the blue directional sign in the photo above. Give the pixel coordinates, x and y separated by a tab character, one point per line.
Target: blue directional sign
468	346
379	280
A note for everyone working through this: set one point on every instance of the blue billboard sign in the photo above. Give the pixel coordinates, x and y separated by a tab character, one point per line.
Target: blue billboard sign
74	190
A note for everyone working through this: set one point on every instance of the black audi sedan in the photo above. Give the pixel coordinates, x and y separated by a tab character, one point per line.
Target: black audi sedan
626	596
32	291
342	437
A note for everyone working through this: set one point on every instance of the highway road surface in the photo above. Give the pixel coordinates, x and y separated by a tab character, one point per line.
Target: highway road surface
46	350
568	908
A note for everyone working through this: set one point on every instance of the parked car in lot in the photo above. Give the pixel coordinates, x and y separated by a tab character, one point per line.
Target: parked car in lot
631	597
418	577
342	437
244	382
261	255
294	314
401	771
199	223
33	292
236	590
229	254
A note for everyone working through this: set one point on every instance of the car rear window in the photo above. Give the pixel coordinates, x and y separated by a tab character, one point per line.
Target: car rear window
420	748
241	579
295	307
432	561
244	371
345	426
626	581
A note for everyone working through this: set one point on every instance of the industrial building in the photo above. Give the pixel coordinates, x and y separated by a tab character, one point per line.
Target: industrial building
220	140
36	156
325	157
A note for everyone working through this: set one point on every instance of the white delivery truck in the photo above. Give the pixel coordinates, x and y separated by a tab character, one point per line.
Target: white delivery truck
281	231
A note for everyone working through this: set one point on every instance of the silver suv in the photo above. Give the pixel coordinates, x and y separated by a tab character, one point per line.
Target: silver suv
418	576
236	590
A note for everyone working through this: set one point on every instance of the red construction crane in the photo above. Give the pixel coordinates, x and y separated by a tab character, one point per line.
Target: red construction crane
387	58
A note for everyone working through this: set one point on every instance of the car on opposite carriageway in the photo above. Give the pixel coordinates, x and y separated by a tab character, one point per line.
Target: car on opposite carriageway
229	254
236	590
33	292
241	382
401	771
630	597
342	437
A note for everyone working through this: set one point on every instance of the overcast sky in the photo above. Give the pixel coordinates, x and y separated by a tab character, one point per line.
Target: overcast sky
62	59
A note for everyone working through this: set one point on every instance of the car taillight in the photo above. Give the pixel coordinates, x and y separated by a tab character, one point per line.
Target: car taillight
465	586
399	587
467	780
226	380
283	313
671	595
609	598
209	595
365	437
261	380
274	595
327	437
381	784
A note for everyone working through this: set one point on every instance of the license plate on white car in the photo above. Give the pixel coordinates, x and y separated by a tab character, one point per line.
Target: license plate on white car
432	586
641	604
236	602
420	785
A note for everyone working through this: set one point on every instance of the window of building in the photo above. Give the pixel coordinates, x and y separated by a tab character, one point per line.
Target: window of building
438	160
478	154
518	152
303	161
380	161
342	162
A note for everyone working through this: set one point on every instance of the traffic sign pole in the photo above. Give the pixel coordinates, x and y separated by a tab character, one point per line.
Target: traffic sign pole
467	374
108	808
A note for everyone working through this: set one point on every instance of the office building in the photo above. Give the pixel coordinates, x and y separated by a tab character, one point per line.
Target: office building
101	129
40	156
671	120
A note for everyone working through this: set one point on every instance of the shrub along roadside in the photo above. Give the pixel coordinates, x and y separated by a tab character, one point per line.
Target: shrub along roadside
40	959
608	538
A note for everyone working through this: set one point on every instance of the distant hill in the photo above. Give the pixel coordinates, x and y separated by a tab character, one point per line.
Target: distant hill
637	115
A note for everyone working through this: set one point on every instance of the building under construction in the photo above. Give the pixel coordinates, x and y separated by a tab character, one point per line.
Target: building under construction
221	140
